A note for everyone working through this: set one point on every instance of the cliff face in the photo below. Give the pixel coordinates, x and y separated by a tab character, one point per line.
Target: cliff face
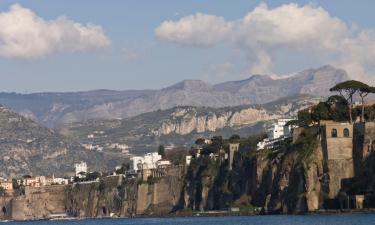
185	121
181	126
303	176
116	196
306	175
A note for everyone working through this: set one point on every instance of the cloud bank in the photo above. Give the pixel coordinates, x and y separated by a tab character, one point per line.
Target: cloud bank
263	31
25	35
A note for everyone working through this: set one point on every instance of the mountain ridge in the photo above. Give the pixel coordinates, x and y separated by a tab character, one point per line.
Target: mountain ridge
54	109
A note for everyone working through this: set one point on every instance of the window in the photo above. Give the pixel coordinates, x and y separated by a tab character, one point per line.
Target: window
333	133
346	132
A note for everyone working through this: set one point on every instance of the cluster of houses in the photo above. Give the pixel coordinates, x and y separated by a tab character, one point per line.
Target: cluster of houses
37	181
40	181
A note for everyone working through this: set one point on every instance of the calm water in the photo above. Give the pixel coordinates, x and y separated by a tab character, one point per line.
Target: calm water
356	219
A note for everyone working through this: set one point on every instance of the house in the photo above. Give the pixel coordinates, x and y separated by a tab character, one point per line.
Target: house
61	181
6	184
81	169
279	131
188	160
37	181
147	161
163	163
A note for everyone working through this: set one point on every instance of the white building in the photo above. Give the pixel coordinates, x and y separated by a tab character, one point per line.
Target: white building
148	161
136	163
58	180
81	169
278	131
163	163
188	159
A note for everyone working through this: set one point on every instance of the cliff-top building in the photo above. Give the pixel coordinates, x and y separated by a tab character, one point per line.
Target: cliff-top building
278	132
81	169
148	161
6	184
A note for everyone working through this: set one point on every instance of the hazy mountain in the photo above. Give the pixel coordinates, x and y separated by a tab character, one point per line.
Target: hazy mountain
28	148
52	109
182	125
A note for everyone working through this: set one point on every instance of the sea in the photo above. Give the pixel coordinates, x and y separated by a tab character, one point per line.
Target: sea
339	219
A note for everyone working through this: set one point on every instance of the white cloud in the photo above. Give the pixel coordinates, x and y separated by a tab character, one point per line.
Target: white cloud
25	35
263	31
197	30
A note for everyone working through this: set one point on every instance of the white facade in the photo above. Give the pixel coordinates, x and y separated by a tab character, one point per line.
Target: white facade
279	129
58	180
163	163
277	132
81	168
188	159
148	161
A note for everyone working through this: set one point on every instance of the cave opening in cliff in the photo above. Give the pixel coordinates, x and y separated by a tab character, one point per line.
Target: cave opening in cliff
104	210
4	210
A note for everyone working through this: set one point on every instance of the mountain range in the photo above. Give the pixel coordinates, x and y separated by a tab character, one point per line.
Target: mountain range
28	148
182	125
55	109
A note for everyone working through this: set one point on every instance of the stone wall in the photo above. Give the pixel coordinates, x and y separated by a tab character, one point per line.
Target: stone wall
38	203
338	154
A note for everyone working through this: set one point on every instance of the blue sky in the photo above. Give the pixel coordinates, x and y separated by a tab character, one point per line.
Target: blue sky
137	59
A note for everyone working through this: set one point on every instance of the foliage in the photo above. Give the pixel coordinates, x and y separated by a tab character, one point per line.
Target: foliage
101	185
200	141
125	166
234	138
93	176
2	191
347	89
161	151
176	156
307	142
15	184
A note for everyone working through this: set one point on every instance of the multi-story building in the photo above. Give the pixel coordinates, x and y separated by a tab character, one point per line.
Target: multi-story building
81	169
278	132
147	161
6	184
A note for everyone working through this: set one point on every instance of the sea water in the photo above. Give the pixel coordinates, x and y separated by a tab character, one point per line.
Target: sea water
342	219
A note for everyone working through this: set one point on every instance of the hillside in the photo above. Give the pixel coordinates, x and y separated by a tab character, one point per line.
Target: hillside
54	109
28	148
181	126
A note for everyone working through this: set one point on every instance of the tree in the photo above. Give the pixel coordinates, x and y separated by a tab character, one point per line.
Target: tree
234	138
15	184
2	191
161	151
347	89
200	141
320	112
304	118
363	92
93	176
338	107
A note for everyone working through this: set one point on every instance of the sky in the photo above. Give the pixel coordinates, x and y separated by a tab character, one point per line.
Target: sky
77	45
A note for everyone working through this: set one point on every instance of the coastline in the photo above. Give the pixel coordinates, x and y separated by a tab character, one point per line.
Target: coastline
206	214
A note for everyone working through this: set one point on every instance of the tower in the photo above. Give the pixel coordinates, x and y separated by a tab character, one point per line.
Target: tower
233	148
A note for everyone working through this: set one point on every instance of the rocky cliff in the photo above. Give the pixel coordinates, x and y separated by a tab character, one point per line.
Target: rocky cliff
183	125
300	177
